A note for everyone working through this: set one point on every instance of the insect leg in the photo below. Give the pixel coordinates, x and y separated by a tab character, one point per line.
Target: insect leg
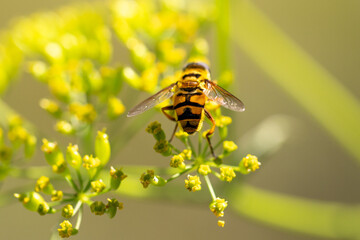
211	131
170	107
173	134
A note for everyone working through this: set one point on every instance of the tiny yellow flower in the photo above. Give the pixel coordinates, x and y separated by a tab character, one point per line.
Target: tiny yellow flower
205	133
227	174
204	169
67	211
64	127
90	162
211	105
186	154
249	164
221	223
115	107
43	185
57	195
59	166
98	186
229	146
18	134
223	121
51	107
85	113
73	156
177	161
193	183
66	229
48	147
182	135
218	206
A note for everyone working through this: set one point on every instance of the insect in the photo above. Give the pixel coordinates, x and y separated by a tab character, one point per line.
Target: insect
189	95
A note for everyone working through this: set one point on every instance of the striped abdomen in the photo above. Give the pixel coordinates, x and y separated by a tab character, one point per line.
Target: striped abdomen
189	109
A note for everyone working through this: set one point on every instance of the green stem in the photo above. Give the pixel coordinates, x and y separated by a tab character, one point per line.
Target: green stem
211	189
71	182
176	175
81	183
79	206
189	144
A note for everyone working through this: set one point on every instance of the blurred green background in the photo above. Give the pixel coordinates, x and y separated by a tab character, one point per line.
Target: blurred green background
309	164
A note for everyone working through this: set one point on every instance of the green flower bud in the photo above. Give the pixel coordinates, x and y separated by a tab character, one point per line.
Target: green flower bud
218	206
102	147
163	147
53	155
67	211
147	177
43	185
66	229
73	156
112	207
193	183
30	200
117	176
158	181
30	146
98	186
43	209
98	208
155	129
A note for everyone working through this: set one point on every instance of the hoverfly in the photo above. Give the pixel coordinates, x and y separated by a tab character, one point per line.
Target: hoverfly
189	95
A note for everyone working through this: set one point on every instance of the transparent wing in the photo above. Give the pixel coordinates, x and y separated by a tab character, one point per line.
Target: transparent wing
223	97
152	101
